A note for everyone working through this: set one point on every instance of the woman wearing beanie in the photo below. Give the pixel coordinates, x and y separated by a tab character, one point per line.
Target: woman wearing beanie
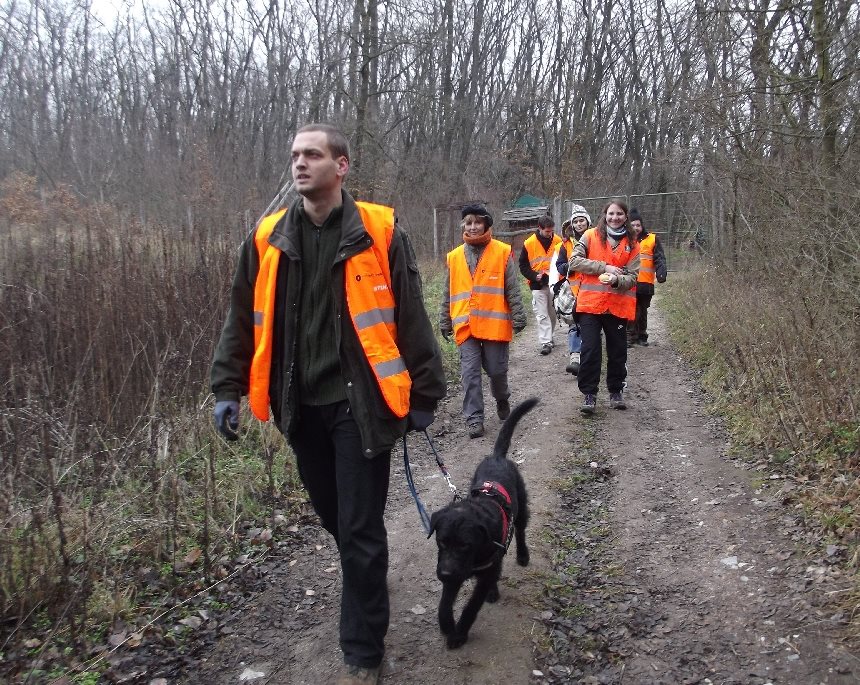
652	264
607	257
482	308
571	231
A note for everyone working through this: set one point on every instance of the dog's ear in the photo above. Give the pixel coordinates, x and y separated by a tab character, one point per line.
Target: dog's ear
434	519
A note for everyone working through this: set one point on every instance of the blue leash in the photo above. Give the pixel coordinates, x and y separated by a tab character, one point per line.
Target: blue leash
422	511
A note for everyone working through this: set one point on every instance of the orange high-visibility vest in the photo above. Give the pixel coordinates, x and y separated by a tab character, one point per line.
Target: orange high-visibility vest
598	298
538	257
646	258
567	244
478	306
369	299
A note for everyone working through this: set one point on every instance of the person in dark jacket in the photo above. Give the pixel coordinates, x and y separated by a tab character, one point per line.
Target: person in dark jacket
535	262
328	291
652	265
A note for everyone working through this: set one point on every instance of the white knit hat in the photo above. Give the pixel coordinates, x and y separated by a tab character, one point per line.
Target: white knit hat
578	211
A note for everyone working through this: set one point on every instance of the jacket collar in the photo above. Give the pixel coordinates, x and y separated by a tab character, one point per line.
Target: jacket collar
353	236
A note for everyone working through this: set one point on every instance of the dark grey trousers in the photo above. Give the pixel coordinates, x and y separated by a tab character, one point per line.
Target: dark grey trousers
348	491
492	356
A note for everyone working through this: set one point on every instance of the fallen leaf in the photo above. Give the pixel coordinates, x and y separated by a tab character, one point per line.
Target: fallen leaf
193	556
117	639
193	622
251	674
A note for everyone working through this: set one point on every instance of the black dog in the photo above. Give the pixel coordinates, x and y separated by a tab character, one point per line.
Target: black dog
473	534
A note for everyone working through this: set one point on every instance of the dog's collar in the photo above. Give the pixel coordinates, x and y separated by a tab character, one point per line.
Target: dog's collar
502	499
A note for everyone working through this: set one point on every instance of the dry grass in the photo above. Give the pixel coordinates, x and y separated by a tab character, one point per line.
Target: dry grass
776	335
110	474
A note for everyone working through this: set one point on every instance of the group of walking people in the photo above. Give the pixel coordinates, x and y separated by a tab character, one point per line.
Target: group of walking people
327	334
609	270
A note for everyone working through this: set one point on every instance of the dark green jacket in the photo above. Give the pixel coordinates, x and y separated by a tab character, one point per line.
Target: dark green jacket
379	427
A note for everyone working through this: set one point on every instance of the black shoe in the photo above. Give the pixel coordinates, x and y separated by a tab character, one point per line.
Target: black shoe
476	430
616	400
589	404
503	408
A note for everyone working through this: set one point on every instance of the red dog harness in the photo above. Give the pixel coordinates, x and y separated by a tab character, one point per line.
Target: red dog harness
496	491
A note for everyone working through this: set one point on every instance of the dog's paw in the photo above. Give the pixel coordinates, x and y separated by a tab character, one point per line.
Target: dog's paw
523	558
493	594
455	641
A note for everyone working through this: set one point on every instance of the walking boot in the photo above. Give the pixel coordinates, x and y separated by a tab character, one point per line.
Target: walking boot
589	403
356	675
616	400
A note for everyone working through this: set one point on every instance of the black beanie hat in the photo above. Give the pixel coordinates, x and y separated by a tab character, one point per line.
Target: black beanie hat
477	210
634	215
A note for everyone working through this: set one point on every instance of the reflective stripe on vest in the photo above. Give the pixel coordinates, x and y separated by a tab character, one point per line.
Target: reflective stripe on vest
371	305
646	258
369	300
598	298
478	306
264	316
538	257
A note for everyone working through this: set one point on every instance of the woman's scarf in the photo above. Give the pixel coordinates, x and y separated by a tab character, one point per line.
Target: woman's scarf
482	239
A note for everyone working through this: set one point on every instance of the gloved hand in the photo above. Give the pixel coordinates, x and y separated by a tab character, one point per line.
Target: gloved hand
418	419
227	418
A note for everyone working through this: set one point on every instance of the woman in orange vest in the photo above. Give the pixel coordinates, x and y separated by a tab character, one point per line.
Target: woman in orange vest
578	224
652	265
607	257
482	308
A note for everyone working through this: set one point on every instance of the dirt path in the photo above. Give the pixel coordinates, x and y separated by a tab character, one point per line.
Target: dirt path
698	578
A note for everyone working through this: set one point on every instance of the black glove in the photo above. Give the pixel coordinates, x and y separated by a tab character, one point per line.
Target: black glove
227	418
418	419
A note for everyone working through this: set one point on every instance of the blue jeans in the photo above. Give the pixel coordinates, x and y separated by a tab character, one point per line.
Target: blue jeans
574	342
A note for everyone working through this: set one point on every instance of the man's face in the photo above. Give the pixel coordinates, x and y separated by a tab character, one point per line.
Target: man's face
580	225
636	227
315	172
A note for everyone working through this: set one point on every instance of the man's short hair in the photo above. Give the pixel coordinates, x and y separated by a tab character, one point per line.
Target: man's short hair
338	145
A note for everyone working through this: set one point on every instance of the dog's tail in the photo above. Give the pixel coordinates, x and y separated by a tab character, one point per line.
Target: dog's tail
503	442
